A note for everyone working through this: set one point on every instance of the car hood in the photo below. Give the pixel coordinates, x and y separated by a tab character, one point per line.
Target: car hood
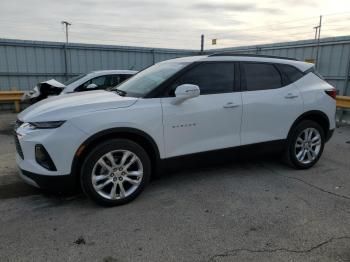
69	105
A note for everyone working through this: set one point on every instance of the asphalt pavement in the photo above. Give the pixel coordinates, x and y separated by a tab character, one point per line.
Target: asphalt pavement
253	210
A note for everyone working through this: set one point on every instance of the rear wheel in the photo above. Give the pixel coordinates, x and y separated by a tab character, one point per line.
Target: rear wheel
305	145
115	172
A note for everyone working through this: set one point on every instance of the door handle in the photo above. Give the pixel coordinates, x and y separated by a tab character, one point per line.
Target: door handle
290	96
230	105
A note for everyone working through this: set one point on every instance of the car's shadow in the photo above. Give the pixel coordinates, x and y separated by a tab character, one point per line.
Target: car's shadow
187	173
17	189
21	189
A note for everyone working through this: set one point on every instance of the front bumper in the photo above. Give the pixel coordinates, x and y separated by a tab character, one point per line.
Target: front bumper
60	143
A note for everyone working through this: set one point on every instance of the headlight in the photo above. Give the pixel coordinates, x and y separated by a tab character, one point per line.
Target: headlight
42	125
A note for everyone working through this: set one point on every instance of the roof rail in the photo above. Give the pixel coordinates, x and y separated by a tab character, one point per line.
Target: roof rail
250	55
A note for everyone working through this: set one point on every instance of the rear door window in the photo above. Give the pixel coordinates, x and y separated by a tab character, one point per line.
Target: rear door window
261	76
292	73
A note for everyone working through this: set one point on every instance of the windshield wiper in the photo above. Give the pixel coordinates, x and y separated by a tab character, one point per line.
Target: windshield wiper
119	92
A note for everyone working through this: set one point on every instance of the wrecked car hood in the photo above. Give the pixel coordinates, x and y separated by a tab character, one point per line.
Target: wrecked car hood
36	92
53	82
69	105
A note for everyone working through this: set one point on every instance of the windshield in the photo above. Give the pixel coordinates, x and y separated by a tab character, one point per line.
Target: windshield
73	79
147	80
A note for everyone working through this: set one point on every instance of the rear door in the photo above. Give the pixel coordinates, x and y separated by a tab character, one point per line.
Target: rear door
208	122
271	103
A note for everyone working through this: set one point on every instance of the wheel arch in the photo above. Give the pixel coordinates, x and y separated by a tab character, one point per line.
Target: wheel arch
136	135
314	115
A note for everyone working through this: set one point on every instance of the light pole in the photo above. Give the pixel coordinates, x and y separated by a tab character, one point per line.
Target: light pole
66	25
65	49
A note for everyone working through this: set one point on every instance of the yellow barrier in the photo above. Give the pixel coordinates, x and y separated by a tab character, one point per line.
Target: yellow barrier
12	96
343	101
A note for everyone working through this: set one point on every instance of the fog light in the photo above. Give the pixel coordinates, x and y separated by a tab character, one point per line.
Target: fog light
43	158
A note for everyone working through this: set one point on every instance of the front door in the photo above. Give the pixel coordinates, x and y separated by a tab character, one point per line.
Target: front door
208	122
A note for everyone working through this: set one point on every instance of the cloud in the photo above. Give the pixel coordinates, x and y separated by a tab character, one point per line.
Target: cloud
163	23
234	7
300	2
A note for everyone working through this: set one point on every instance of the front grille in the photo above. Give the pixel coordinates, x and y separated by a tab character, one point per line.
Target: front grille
17	124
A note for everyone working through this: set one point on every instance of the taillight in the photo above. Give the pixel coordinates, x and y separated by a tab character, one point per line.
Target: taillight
332	93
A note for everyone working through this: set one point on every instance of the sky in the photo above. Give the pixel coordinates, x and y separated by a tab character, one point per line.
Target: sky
173	23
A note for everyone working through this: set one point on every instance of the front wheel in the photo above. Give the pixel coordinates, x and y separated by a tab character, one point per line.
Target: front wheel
305	145
115	172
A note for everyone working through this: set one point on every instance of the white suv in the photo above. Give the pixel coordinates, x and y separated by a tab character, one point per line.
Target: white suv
112	142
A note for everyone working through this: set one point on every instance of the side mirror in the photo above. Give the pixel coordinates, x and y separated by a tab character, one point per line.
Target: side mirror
184	92
91	86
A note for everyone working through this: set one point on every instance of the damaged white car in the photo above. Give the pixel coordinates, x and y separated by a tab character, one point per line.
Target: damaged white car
97	80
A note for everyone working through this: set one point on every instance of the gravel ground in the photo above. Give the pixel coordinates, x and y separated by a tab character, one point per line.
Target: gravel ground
254	210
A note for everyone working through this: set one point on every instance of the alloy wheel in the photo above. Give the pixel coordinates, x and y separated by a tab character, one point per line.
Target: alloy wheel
117	174
308	145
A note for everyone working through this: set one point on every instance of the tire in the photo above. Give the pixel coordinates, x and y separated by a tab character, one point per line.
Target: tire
107	170
298	145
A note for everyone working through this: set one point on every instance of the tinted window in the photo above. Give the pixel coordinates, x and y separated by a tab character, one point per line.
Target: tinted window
212	78
261	76
291	72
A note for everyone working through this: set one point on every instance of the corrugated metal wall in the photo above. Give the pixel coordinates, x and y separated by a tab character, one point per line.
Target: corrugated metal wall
25	63
333	62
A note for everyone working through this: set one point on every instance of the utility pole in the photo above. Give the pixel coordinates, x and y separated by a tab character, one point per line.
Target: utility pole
65	49
202	43
318	37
